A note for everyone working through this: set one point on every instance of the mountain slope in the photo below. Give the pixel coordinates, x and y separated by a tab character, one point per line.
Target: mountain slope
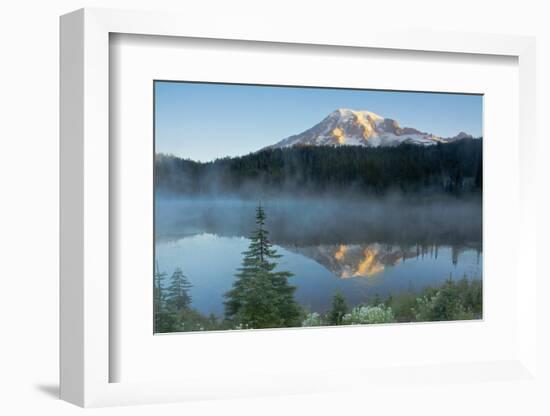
362	128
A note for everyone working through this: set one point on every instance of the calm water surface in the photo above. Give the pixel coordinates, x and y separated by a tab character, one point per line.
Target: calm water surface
362	249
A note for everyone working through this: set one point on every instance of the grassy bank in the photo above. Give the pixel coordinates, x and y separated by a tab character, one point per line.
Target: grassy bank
453	300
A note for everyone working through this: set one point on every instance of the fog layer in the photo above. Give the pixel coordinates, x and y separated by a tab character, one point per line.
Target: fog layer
314	221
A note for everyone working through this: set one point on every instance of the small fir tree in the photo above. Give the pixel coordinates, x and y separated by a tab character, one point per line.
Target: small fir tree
261	297
338	310
165	317
177	293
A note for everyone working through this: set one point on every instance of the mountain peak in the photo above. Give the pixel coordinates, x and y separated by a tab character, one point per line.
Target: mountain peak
347	112
462	135
345	126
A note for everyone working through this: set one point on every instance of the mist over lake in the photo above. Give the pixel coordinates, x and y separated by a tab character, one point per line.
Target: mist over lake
362	247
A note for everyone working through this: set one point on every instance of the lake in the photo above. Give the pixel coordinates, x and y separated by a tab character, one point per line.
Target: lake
361	248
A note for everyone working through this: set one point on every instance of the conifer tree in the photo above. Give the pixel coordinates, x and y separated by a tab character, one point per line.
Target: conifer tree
158	290
165	319
338	310
177	293
261	297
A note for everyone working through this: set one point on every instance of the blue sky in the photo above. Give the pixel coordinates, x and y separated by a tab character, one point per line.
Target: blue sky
207	121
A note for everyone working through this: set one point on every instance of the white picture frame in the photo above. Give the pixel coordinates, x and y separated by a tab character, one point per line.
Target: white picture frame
85	352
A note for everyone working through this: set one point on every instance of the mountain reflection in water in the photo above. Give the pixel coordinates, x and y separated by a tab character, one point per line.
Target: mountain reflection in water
356	260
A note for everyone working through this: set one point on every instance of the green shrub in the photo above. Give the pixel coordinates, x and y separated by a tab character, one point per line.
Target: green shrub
313	319
369	315
452	301
403	306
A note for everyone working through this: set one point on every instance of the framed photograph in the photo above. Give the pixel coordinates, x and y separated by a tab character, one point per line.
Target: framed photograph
352	220
277	213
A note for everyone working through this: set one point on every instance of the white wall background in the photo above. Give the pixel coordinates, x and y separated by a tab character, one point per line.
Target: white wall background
29	205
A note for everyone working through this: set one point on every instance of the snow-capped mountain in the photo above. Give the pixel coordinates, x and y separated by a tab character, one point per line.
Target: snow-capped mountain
362	128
